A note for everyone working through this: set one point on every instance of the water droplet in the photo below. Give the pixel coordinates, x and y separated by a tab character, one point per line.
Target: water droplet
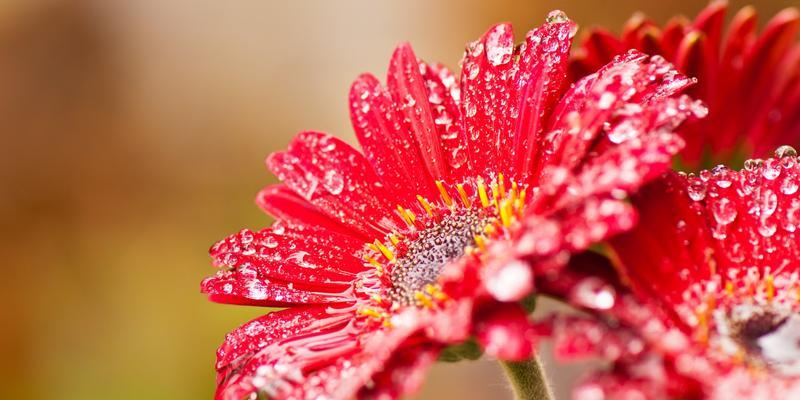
696	190
753	164
771	170
333	182
594	293
724	211
557	16
785	151
789	185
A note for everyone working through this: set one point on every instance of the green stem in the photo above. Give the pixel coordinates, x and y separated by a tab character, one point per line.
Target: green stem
527	379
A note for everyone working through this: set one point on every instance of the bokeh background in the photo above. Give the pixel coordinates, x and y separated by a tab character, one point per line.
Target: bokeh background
133	137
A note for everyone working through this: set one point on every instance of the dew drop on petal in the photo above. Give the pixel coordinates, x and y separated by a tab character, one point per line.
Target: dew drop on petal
333	182
696	190
556	16
785	151
724	211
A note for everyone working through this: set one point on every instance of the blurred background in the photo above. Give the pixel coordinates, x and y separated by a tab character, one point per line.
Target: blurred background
133	137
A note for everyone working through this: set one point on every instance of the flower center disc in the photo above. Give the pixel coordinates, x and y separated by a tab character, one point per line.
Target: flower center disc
769	337
428	250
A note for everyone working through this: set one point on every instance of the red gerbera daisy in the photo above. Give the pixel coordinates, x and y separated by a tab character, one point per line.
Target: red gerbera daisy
714	263
384	257
750	81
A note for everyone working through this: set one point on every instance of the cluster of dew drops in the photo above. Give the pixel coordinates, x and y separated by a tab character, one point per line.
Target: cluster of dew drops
762	190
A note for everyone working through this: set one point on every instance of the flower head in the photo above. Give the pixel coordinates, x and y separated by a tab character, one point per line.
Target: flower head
465	190
749	80
713	265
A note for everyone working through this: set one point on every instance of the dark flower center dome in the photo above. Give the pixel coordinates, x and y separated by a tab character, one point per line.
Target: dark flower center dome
457	224
425	254
769	337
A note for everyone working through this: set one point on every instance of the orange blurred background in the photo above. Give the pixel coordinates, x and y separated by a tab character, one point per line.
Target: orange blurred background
134	135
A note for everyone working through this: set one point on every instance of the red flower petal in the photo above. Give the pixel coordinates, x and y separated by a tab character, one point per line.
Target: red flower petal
285	205
402	374
338	180
505	332
294	255
654	259
392	149
444	93
408	91
486	80
305	352
540	82
580	116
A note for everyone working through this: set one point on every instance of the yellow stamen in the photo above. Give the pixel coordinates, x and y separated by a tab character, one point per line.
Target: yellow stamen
394	239
729	288
702	322
407	215
505	213
464	197
482	193
445	196
480	242
514	190
385	250
495	196
374	263
501	185
425	205
435	292
371	312
770	287
411	216
423	299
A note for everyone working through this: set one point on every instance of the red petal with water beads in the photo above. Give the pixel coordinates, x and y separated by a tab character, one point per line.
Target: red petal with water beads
407	88
391	149
281	265
444	93
304	352
338	180
540	82
432	145
486	81
739	72
667	251
603	98
504	332
403	373
285	205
